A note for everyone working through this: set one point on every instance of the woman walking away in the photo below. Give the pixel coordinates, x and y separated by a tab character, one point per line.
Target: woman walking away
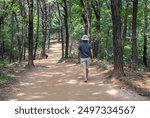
85	54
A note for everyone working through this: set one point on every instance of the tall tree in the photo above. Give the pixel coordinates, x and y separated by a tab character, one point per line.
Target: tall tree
86	16
44	26
125	20
21	35
37	28
30	34
134	38
11	55
96	5
2	7
117	40
66	28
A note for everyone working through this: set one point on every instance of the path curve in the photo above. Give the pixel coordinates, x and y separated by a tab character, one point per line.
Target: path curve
64	82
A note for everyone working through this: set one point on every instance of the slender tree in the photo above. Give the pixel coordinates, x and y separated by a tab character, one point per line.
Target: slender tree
86	16
96	5
1	31
44	27
117	41
30	34
134	38
37	28
125	20
11	55
66	28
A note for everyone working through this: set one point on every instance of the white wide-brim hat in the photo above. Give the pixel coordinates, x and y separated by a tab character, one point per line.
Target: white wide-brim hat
85	38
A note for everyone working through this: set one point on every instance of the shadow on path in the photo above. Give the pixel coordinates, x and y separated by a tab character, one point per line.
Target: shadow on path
64	81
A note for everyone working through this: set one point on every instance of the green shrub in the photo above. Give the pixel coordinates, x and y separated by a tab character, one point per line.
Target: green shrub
3	64
4	78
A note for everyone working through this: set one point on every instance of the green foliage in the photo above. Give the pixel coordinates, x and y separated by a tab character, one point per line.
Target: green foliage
72	55
4	78
3	64
105	64
77	27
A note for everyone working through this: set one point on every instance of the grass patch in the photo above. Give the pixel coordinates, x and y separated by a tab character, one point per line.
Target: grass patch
5	78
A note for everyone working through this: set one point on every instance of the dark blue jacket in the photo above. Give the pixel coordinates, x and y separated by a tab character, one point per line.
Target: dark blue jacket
85	49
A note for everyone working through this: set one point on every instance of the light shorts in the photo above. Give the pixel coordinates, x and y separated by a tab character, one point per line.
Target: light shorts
85	62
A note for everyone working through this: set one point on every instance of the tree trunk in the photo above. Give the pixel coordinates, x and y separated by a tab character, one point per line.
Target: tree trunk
37	29
49	29
117	41
66	27
25	41
96	5
83	15
11	55
97	11
30	34
86	16
88	19
49	38
134	39
19	39
125	21
44	27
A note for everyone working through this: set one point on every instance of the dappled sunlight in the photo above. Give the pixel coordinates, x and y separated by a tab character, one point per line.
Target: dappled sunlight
60	80
55	73
91	83
33	98
70	65
112	92
13	100
100	84
41	81
26	84
104	72
72	82
96	93
51	80
20	94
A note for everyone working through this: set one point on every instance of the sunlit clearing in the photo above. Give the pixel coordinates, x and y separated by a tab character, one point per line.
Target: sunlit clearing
112	92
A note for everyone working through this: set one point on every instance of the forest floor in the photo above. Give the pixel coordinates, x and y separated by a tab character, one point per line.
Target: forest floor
52	81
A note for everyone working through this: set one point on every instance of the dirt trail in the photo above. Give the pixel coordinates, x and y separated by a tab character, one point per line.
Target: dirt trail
64	81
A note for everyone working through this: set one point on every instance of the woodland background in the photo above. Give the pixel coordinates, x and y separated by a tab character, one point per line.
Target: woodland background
118	30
